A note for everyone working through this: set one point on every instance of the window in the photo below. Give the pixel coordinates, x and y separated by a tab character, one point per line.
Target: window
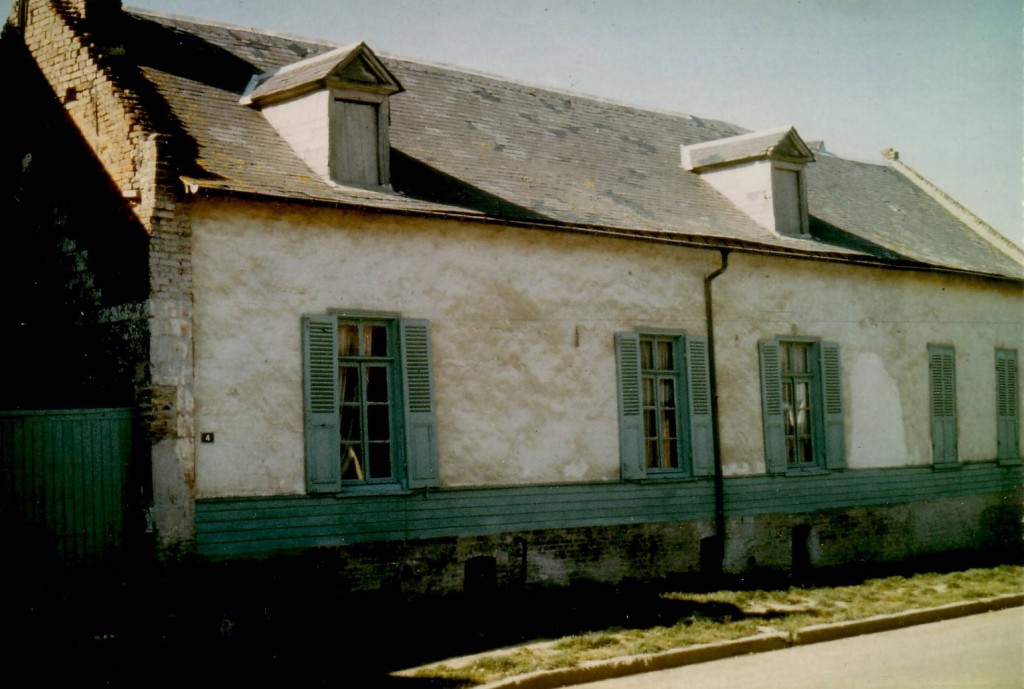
942	393
789	198
802	405
359	141
369	403
664	405
1007	414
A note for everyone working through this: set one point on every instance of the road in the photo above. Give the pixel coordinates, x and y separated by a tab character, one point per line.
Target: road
980	651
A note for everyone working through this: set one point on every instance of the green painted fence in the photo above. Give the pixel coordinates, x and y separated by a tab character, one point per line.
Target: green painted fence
63	482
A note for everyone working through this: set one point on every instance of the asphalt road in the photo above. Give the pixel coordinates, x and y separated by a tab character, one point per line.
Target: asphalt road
980	651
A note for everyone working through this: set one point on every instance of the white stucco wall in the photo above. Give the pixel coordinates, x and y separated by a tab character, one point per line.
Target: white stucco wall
522	334
884	321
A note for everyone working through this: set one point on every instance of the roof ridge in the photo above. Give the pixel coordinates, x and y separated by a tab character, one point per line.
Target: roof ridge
228	25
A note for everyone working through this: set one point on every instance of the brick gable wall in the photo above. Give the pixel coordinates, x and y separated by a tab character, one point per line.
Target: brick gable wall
76	47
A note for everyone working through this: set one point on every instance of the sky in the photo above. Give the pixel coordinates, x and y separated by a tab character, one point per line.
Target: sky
940	81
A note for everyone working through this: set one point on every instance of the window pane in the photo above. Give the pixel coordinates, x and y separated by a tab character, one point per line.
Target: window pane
798	356
668	392
806	451
803	408
380	460
646	354
351	469
666	355
668	423
348	381
376	384
649	398
348	339
651	423
378	426
651	453
671	457
350	428
787	407
376	340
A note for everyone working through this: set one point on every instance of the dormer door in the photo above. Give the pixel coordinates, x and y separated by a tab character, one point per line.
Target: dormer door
355	143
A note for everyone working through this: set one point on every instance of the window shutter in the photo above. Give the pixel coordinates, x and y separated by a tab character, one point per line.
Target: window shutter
1007	414
832	406
942	389
320	370
700	405
631	420
771	407
420	424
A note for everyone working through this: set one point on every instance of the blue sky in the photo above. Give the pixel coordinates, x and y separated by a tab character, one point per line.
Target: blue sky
941	81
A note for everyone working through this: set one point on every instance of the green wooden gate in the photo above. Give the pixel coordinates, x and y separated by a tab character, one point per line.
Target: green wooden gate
63	483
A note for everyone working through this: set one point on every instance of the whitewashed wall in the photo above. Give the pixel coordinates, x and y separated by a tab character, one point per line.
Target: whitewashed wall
522	331
884	321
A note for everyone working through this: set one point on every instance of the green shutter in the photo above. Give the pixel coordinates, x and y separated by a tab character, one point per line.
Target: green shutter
942	392
700	405
771	407
320	370
832	406
631	420
1007	395
420	423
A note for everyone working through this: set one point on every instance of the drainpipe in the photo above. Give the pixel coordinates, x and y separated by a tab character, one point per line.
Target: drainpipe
716	445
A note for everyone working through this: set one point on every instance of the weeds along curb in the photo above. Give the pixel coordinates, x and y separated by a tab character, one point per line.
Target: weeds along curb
882	623
633	665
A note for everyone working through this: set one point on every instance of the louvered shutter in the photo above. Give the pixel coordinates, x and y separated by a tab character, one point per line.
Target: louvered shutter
701	440
420	423
631	420
320	370
1007	412
942	391
771	407
832	406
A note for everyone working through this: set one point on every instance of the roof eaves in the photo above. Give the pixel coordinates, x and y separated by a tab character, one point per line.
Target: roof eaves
411	207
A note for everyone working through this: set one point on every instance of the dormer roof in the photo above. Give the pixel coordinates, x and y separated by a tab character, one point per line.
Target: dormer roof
352	66
781	143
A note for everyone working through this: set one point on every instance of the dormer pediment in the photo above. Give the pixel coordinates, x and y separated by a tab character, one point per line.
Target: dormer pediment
783	144
761	173
353	66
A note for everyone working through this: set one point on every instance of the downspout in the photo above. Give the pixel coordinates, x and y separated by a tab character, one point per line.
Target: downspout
716	445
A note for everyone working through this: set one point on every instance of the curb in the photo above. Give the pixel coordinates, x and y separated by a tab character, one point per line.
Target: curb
632	665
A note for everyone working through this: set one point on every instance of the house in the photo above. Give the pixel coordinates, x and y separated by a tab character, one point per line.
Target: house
440	328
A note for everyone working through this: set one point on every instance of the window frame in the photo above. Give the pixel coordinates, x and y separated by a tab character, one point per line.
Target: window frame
411	420
827	418
338	134
692	409
656	374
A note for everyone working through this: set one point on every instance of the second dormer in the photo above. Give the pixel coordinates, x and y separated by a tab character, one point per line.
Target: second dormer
762	173
333	110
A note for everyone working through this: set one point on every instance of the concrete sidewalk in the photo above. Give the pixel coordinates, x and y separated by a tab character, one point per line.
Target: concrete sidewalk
593	671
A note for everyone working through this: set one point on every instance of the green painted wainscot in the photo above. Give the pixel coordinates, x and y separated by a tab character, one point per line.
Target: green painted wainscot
254	526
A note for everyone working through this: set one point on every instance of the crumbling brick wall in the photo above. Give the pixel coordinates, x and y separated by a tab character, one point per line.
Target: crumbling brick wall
76	46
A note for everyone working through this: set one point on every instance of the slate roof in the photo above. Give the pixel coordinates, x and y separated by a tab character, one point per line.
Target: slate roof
470	145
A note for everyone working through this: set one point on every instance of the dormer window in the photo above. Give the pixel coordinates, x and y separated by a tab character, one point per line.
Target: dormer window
333	109
762	173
